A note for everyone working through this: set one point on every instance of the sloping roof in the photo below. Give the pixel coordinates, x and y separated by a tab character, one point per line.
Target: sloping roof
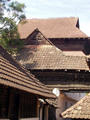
76	63
13	75
81	110
52	28
74	53
53	102
43	57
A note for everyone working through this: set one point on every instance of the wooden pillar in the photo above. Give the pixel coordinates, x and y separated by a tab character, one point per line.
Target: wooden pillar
46	112
41	112
38	108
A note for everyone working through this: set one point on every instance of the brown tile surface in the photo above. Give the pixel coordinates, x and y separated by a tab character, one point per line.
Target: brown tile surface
49	57
53	102
81	110
52	28
13	75
74	53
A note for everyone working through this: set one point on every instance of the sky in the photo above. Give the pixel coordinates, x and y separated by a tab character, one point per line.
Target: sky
60	8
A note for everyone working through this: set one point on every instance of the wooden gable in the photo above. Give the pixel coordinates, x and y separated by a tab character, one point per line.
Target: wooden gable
37	38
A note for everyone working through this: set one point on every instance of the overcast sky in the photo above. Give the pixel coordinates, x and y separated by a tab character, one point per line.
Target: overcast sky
60	8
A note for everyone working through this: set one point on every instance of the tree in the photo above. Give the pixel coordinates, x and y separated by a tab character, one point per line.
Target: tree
11	13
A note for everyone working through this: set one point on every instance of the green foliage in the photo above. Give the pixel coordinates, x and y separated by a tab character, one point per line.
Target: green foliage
17	7
9	36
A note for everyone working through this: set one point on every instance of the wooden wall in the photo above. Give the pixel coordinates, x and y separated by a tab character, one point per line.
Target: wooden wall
28	106
70	44
4	101
15	104
64	79
36	38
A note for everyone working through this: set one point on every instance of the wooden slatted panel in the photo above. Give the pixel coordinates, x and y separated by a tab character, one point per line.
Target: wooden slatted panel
28	103
3	102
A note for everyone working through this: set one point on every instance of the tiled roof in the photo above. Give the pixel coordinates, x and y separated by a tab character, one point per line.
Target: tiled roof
53	102
74	53
81	110
76	63
52	28
49	57
13	75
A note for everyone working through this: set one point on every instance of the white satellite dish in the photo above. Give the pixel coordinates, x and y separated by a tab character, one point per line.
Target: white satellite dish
56	91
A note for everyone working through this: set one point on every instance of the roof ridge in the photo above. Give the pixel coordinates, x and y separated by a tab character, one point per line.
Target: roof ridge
53	18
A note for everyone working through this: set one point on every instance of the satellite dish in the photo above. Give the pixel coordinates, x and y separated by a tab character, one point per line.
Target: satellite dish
56	91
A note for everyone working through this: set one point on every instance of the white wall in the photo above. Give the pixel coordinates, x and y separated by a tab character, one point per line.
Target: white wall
75	96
